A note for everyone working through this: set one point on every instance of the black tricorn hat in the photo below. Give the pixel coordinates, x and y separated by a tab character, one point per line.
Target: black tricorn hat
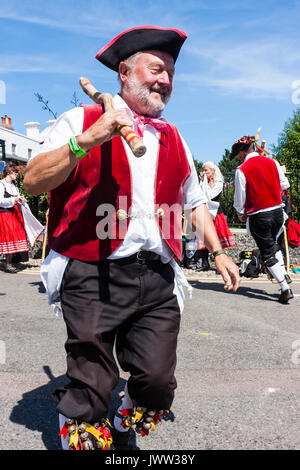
243	143
142	38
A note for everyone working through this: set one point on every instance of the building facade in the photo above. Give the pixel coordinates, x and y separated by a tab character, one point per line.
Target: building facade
19	148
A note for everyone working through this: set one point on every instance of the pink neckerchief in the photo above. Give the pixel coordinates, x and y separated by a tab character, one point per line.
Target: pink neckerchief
141	121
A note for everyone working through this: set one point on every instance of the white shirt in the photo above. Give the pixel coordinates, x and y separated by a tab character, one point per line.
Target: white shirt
211	192
8	202
240	187
143	232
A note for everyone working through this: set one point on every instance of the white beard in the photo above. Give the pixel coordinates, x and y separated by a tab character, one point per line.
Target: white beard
142	94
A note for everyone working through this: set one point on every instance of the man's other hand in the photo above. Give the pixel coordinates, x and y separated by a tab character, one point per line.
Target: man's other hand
229	271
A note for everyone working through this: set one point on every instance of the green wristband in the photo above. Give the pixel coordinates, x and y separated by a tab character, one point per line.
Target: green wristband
75	148
218	252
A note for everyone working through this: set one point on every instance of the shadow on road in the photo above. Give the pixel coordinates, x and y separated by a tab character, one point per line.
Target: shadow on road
40	286
37	410
246	291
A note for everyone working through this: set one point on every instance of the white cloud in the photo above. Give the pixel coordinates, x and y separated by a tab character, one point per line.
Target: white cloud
33	64
106	17
87	25
48	64
263	67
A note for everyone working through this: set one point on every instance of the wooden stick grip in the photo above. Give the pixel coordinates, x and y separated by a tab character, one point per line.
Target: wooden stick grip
131	137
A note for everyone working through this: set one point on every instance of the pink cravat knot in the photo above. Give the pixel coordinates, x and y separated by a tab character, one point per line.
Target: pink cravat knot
141	122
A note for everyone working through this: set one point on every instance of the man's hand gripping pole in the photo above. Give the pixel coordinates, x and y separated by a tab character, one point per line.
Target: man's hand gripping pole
132	139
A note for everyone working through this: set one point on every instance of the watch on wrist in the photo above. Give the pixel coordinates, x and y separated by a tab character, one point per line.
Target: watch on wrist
218	252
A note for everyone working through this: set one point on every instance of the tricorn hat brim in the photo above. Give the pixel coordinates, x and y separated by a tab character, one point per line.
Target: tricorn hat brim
141	39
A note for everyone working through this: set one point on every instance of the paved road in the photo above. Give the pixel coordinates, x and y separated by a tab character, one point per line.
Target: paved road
238	369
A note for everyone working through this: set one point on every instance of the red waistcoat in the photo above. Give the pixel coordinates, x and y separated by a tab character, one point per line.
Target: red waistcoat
103	179
262	184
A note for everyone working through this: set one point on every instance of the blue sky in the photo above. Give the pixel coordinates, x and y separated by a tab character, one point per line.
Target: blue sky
235	72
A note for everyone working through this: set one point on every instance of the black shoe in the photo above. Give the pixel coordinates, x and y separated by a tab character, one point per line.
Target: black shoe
11	269
285	296
123	440
288	279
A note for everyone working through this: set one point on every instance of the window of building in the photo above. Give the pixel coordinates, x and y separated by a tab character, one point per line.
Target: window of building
2	150
13	149
29	153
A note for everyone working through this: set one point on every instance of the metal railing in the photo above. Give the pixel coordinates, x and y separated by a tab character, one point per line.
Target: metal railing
228	195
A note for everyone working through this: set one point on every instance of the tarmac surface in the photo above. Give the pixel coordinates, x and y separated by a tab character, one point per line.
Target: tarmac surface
238	369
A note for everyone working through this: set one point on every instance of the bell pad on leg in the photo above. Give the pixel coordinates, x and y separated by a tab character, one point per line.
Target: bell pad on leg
86	436
143	419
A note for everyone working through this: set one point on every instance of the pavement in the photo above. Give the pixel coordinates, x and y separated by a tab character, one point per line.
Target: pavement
238	369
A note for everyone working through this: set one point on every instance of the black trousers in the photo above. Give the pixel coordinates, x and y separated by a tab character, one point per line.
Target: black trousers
124	304
264	228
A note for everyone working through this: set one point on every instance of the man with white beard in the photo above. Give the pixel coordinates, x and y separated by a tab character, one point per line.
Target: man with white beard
114	270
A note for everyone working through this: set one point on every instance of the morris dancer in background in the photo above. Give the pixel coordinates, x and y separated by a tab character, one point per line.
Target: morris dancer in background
259	181
119	285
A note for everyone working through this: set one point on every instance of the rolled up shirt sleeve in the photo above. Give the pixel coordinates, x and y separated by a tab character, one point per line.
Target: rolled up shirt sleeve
239	192
68	124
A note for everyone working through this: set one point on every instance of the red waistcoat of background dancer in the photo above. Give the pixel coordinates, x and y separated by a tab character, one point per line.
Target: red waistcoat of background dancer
262	184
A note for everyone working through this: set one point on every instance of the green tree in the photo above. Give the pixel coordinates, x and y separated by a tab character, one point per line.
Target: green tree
198	165
228	166
287	152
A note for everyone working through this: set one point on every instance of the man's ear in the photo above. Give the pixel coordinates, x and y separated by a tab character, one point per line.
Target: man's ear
123	71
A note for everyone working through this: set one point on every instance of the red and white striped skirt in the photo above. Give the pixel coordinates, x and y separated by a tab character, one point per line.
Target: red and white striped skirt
13	237
225	236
